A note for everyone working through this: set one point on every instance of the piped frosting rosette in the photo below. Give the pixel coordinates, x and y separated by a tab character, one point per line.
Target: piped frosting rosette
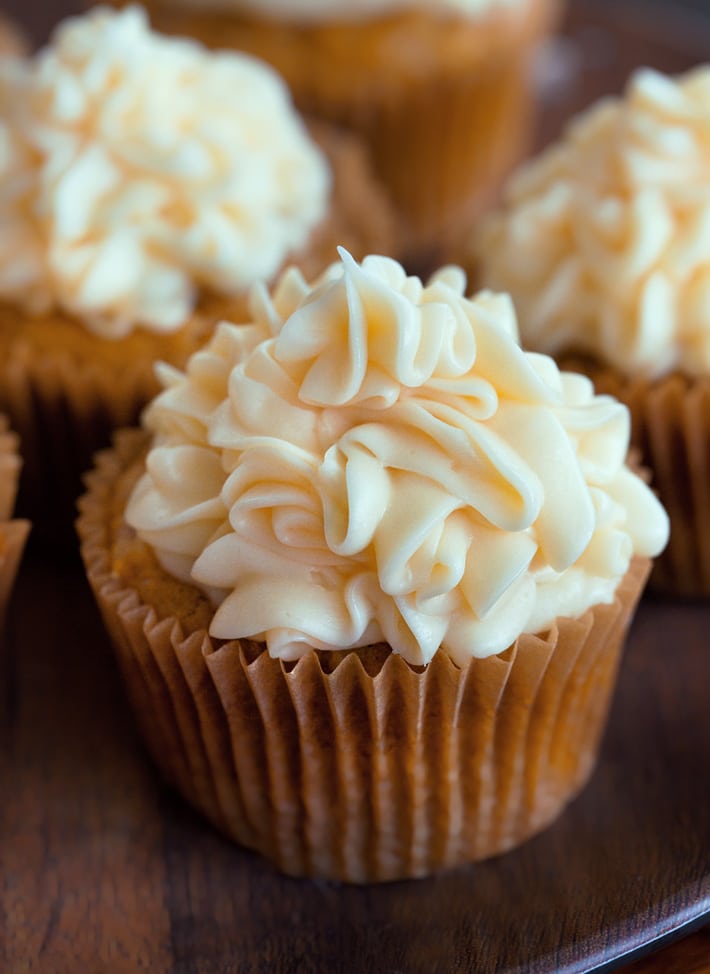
375	459
138	171
604	240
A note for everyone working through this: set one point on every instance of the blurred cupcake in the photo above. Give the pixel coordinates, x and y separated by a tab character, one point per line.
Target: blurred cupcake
13	534
441	91
604	244
11	40
146	184
369	580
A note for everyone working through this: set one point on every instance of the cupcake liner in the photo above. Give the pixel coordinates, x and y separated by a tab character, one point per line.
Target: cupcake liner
670	420
338	768
63	414
442	146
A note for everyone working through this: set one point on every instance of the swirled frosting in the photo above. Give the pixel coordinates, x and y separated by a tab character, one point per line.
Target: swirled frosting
137	170
328	10
375	459
11	41
604	240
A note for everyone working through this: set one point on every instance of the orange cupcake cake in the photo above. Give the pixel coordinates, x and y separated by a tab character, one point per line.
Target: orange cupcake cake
147	184
604	244
441	90
369	572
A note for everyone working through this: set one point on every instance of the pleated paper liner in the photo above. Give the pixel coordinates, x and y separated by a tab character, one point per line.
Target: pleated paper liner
445	104
66	389
670	420
357	766
444	147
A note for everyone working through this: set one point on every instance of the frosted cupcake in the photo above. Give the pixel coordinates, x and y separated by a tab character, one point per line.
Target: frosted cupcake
604	244
368	574
441	91
146	184
11	40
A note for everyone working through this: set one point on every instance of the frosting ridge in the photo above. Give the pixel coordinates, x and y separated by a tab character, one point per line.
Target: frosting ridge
388	464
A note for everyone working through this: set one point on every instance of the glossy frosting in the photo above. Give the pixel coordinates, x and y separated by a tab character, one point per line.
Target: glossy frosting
604	241
375	459
137	170
334	10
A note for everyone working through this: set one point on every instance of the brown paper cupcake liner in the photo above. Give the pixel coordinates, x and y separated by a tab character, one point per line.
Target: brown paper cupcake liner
63	414
670	420
345	770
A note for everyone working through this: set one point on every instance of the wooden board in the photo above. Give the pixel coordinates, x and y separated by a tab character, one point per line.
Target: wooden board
102	868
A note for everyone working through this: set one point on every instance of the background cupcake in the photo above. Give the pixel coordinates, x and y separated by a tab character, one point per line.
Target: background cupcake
147	184
371	538
13	534
604	244
441	91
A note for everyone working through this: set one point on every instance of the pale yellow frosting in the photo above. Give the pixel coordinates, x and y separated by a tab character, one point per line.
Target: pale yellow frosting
604	240
137	169
350	10
375	459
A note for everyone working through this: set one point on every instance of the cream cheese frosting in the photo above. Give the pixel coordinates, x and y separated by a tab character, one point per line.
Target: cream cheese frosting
137	170
374	459
353	10
604	240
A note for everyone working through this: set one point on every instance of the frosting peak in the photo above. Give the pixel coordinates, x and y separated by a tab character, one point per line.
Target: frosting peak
140	169
604	240
374	458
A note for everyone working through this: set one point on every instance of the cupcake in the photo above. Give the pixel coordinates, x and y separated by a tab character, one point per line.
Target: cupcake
13	534
368	571
147	183
11	40
604	244
441	91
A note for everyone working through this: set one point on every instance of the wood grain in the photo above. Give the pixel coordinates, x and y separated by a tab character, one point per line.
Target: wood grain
102	868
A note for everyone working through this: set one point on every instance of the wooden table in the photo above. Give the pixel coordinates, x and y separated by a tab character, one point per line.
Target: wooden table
103	869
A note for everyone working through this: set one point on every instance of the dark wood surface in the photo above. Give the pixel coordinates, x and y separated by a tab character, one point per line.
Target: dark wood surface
103	869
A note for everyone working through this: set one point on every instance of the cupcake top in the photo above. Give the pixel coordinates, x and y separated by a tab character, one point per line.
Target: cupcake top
11	41
604	240
138	170
336	10
373	459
